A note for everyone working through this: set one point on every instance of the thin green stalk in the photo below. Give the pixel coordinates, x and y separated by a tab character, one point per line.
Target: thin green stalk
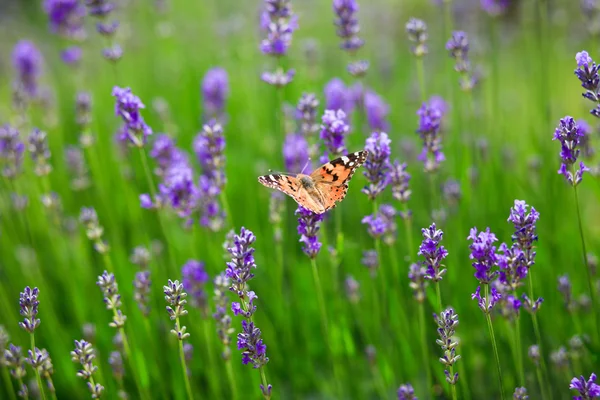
425	349
589	279
452	386
538	338
379	381
466	392
432	193
439	296
211	358
231	379
421	78
263	380
188	387
38	377
8	384
494	345
127	349
519	350
20	382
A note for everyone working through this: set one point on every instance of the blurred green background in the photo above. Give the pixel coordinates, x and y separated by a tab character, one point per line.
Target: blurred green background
526	59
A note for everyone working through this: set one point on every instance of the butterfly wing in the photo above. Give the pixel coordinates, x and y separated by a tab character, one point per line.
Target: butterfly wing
291	186
331	179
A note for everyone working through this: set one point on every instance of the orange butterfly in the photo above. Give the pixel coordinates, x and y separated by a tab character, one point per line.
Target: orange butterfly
323	188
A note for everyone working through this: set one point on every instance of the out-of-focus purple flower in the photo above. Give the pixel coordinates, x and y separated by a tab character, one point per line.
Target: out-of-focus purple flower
513	266
483	254
215	90
212	216
524	221
338	96
399	180
66	17
209	146
352	289
377	165
11	151
141	291
27	62
447	322
222	318
83	107
486	304
417	33
333	132
418	281
71	55
588	389
376	111
28	302
194	281
179	190
406	392
295	153
128	108
433	252
278	78
430	119
569	134
77	168
458	48
564	287
107	29
347	24
279	23
520	394
113	53
358	68
99	8
39	151
370	259
306	114
452	192
376	225
495	7
165	153
309	224
587	149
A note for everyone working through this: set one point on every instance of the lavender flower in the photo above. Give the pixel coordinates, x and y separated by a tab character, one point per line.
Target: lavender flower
141	257
370	260
215	90
194	280
83	107
239	270
28	302
13	359
77	168
406	392
175	297
433	253
520	394
531	306
587	150
222	318
486	304
417	33
333	132
338	96
141	291
513	266
447	322
71	55
376	111
39	151
569	134
452	192
179	190
112	299
418	281
309	224
279	23
65	17
352	289
483	254
94	231
347	24
458	48
27	62
495	7
564	287
306	114
209	146
101	9
399	180
115	360
377	164
588	389
134	129
84	354
279	78
524	221
587	73
276	208
37	358
212	215
11	151
430	119
295	153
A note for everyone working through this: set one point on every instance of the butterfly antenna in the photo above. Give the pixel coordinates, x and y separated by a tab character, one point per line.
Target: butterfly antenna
305	165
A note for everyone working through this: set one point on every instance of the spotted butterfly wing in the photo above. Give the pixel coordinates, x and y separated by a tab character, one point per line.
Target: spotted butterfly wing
323	188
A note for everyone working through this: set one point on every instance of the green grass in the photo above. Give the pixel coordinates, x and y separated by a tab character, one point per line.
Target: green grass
526	87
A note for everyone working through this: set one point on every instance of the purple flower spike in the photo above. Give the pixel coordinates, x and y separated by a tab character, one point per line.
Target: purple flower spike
239	269
377	111
128	108
215	90
418	282
430	119
587	73
306	114
296	153
495	7
520	394
209	146
433	253
11	151
338	96
447	322
417	33
513	266
483	254
333	132
570	136
27	62
179	190
486	304
524	220
66	17
347	24
165	153
399	180
377	165
458	48
28	302
194	281
588	389
406	392
71	55
279	23
309	224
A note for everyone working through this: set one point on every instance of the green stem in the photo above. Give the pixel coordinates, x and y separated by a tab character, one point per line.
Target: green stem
231	379
263	380
538	337
20	382
211	357
421	78
128	355
452	385
8	384
108	263
494	345
188	387
439	296
38	377
519	350
425	349
408	229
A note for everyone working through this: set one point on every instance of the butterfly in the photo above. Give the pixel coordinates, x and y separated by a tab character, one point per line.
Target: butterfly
323	188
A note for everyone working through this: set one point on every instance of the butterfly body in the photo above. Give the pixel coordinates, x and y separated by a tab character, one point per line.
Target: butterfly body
323	188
